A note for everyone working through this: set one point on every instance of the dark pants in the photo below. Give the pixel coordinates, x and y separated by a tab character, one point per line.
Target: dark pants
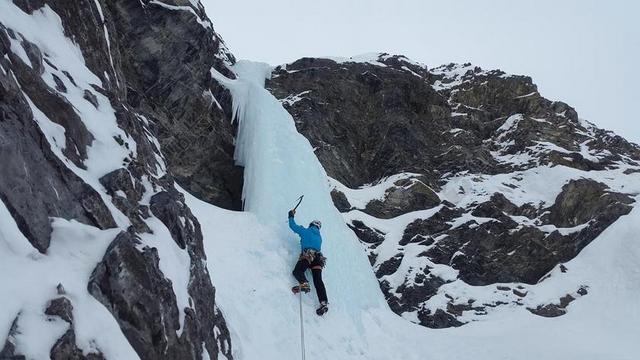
316	265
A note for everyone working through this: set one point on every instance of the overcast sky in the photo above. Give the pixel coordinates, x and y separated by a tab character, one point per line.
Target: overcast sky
583	52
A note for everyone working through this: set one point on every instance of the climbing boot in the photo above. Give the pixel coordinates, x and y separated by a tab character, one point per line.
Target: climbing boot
304	287
324	307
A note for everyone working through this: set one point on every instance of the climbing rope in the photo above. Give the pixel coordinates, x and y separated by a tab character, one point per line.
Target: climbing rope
302	349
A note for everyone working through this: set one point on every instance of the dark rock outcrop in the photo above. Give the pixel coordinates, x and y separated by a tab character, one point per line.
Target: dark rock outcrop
9	349
406	196
390	266
365	233
439	320
150	67
169	207
447	125
128	278
584	200
559	308
35	184
62	308
166	59
121	182
340	201
365	121
65	348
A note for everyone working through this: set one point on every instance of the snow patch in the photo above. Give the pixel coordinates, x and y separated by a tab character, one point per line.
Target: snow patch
294	98
29	281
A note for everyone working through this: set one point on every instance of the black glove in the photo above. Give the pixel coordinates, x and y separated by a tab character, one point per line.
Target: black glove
292	213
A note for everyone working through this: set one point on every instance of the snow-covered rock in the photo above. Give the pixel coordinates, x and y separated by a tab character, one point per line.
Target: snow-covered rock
458	175
464	195
100	256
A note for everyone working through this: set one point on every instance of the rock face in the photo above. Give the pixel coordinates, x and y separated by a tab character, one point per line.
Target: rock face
380	127
128	277
166	58
32	174
466	187
103	110
406	195
478	179
585	200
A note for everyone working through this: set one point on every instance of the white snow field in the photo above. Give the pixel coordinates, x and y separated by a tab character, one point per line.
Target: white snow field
251	254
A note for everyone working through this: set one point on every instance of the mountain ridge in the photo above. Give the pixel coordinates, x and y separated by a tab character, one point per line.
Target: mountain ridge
472	151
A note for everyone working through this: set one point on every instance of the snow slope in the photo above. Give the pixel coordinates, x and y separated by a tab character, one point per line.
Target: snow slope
29	281
251	254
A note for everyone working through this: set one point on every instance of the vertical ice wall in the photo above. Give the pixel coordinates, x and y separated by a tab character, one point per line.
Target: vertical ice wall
280	165
251	254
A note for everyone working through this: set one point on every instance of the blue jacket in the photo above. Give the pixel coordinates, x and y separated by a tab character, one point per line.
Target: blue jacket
310	237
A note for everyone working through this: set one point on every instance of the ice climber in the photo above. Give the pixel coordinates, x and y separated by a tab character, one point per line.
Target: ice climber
310	258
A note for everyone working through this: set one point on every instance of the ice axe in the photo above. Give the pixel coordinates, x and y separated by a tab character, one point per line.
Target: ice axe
299	200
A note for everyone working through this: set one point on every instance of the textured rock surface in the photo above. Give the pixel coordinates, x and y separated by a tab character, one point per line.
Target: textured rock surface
190	112
585	200
32	174
65	348
366	121
61	307
146	65
462	144
128	277
466	140
407	195
9	349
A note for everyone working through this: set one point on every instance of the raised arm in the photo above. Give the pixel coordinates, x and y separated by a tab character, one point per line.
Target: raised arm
295	227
